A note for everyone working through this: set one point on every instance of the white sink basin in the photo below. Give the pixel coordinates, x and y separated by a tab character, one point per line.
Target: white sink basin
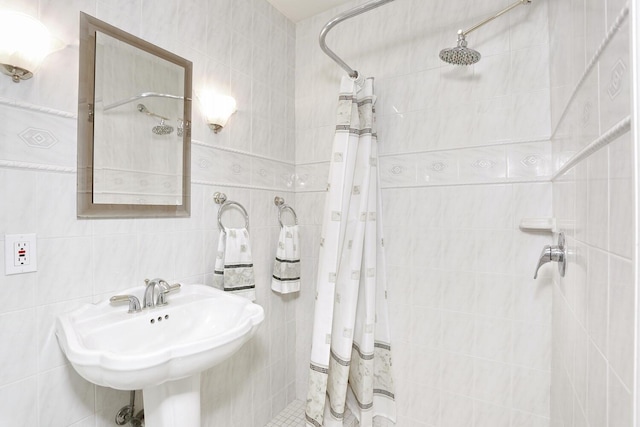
200	327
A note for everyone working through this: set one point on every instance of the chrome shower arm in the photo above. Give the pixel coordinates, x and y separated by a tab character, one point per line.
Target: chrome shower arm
497	15
338	19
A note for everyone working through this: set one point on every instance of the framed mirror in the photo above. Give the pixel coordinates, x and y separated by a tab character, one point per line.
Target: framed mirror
134	126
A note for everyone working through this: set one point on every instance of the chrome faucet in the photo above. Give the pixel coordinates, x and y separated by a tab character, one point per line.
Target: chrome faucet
554	253
153	299
134	303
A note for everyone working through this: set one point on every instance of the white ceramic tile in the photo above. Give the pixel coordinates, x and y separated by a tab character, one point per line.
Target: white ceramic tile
458	291
620	197
615	79
529	25
530	116
156	256
425	327
483	165
531	160
34	137
23	217
532	345
456	410
397	170
492	121
492	383
620	401
69	398
437	167
21	360
454	132
17	402
523	419
530	390
598	298
457	332
56	209
64	269
313	177
493	339
621	318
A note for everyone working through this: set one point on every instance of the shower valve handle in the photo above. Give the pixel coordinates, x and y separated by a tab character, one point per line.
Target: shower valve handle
554	253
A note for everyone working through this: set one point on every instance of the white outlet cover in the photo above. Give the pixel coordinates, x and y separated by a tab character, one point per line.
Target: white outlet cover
10	241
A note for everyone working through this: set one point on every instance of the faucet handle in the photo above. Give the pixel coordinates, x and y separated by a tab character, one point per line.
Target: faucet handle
545	257
165	288
134	302
554	253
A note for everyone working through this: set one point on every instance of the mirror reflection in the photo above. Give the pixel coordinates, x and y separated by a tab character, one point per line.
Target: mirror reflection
134	145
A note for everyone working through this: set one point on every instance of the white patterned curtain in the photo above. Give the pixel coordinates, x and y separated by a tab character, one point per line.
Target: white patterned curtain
351	352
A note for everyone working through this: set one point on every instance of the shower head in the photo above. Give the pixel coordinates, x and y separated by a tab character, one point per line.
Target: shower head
162	129
461	54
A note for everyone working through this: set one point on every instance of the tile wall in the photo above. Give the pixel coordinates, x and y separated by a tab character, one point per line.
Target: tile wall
593	305
243	47
465	155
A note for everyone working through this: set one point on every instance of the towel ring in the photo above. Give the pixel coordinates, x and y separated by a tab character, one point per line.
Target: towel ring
221	199
279	202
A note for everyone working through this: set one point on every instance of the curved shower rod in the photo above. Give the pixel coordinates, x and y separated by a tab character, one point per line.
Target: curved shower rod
377	3
343	17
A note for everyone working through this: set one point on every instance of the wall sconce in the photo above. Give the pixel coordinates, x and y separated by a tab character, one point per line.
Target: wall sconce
217	109
24	43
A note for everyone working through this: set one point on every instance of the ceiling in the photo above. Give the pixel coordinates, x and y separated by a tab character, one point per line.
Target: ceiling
297	10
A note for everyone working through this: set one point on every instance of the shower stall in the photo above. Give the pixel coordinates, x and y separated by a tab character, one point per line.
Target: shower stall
482	166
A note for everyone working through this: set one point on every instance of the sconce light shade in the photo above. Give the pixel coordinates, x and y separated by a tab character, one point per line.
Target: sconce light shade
217	109
24	43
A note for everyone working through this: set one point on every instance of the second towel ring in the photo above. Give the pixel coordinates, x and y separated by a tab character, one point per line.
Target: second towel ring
221	199
279	202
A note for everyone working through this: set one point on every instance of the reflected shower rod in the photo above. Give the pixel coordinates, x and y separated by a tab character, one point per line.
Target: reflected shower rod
141	96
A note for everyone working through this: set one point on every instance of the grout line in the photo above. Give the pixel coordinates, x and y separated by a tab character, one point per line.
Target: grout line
242	152
244	186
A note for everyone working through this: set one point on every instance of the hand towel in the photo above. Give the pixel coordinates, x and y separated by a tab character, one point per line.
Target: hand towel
286	267
233	270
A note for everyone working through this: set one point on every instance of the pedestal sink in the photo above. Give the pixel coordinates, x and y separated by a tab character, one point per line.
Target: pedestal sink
160	350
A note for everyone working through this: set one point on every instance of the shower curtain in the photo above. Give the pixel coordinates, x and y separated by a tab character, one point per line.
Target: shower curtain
351	352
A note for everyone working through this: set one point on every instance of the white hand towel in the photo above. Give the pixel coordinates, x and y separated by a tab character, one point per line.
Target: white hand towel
286	267
234	267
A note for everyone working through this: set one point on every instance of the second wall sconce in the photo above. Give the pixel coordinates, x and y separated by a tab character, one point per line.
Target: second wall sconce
24	43
217	109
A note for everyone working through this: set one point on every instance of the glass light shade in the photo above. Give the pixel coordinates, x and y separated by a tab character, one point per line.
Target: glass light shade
217	109
24	41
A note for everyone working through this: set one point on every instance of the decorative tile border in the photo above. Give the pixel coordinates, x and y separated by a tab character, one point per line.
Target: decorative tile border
37	108
524	162
35	166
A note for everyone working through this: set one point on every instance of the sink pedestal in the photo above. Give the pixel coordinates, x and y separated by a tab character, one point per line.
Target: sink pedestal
174	403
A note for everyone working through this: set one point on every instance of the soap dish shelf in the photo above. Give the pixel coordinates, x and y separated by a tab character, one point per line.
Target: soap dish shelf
538	224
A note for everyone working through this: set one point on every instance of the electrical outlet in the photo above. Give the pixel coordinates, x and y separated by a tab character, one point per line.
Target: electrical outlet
20	253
